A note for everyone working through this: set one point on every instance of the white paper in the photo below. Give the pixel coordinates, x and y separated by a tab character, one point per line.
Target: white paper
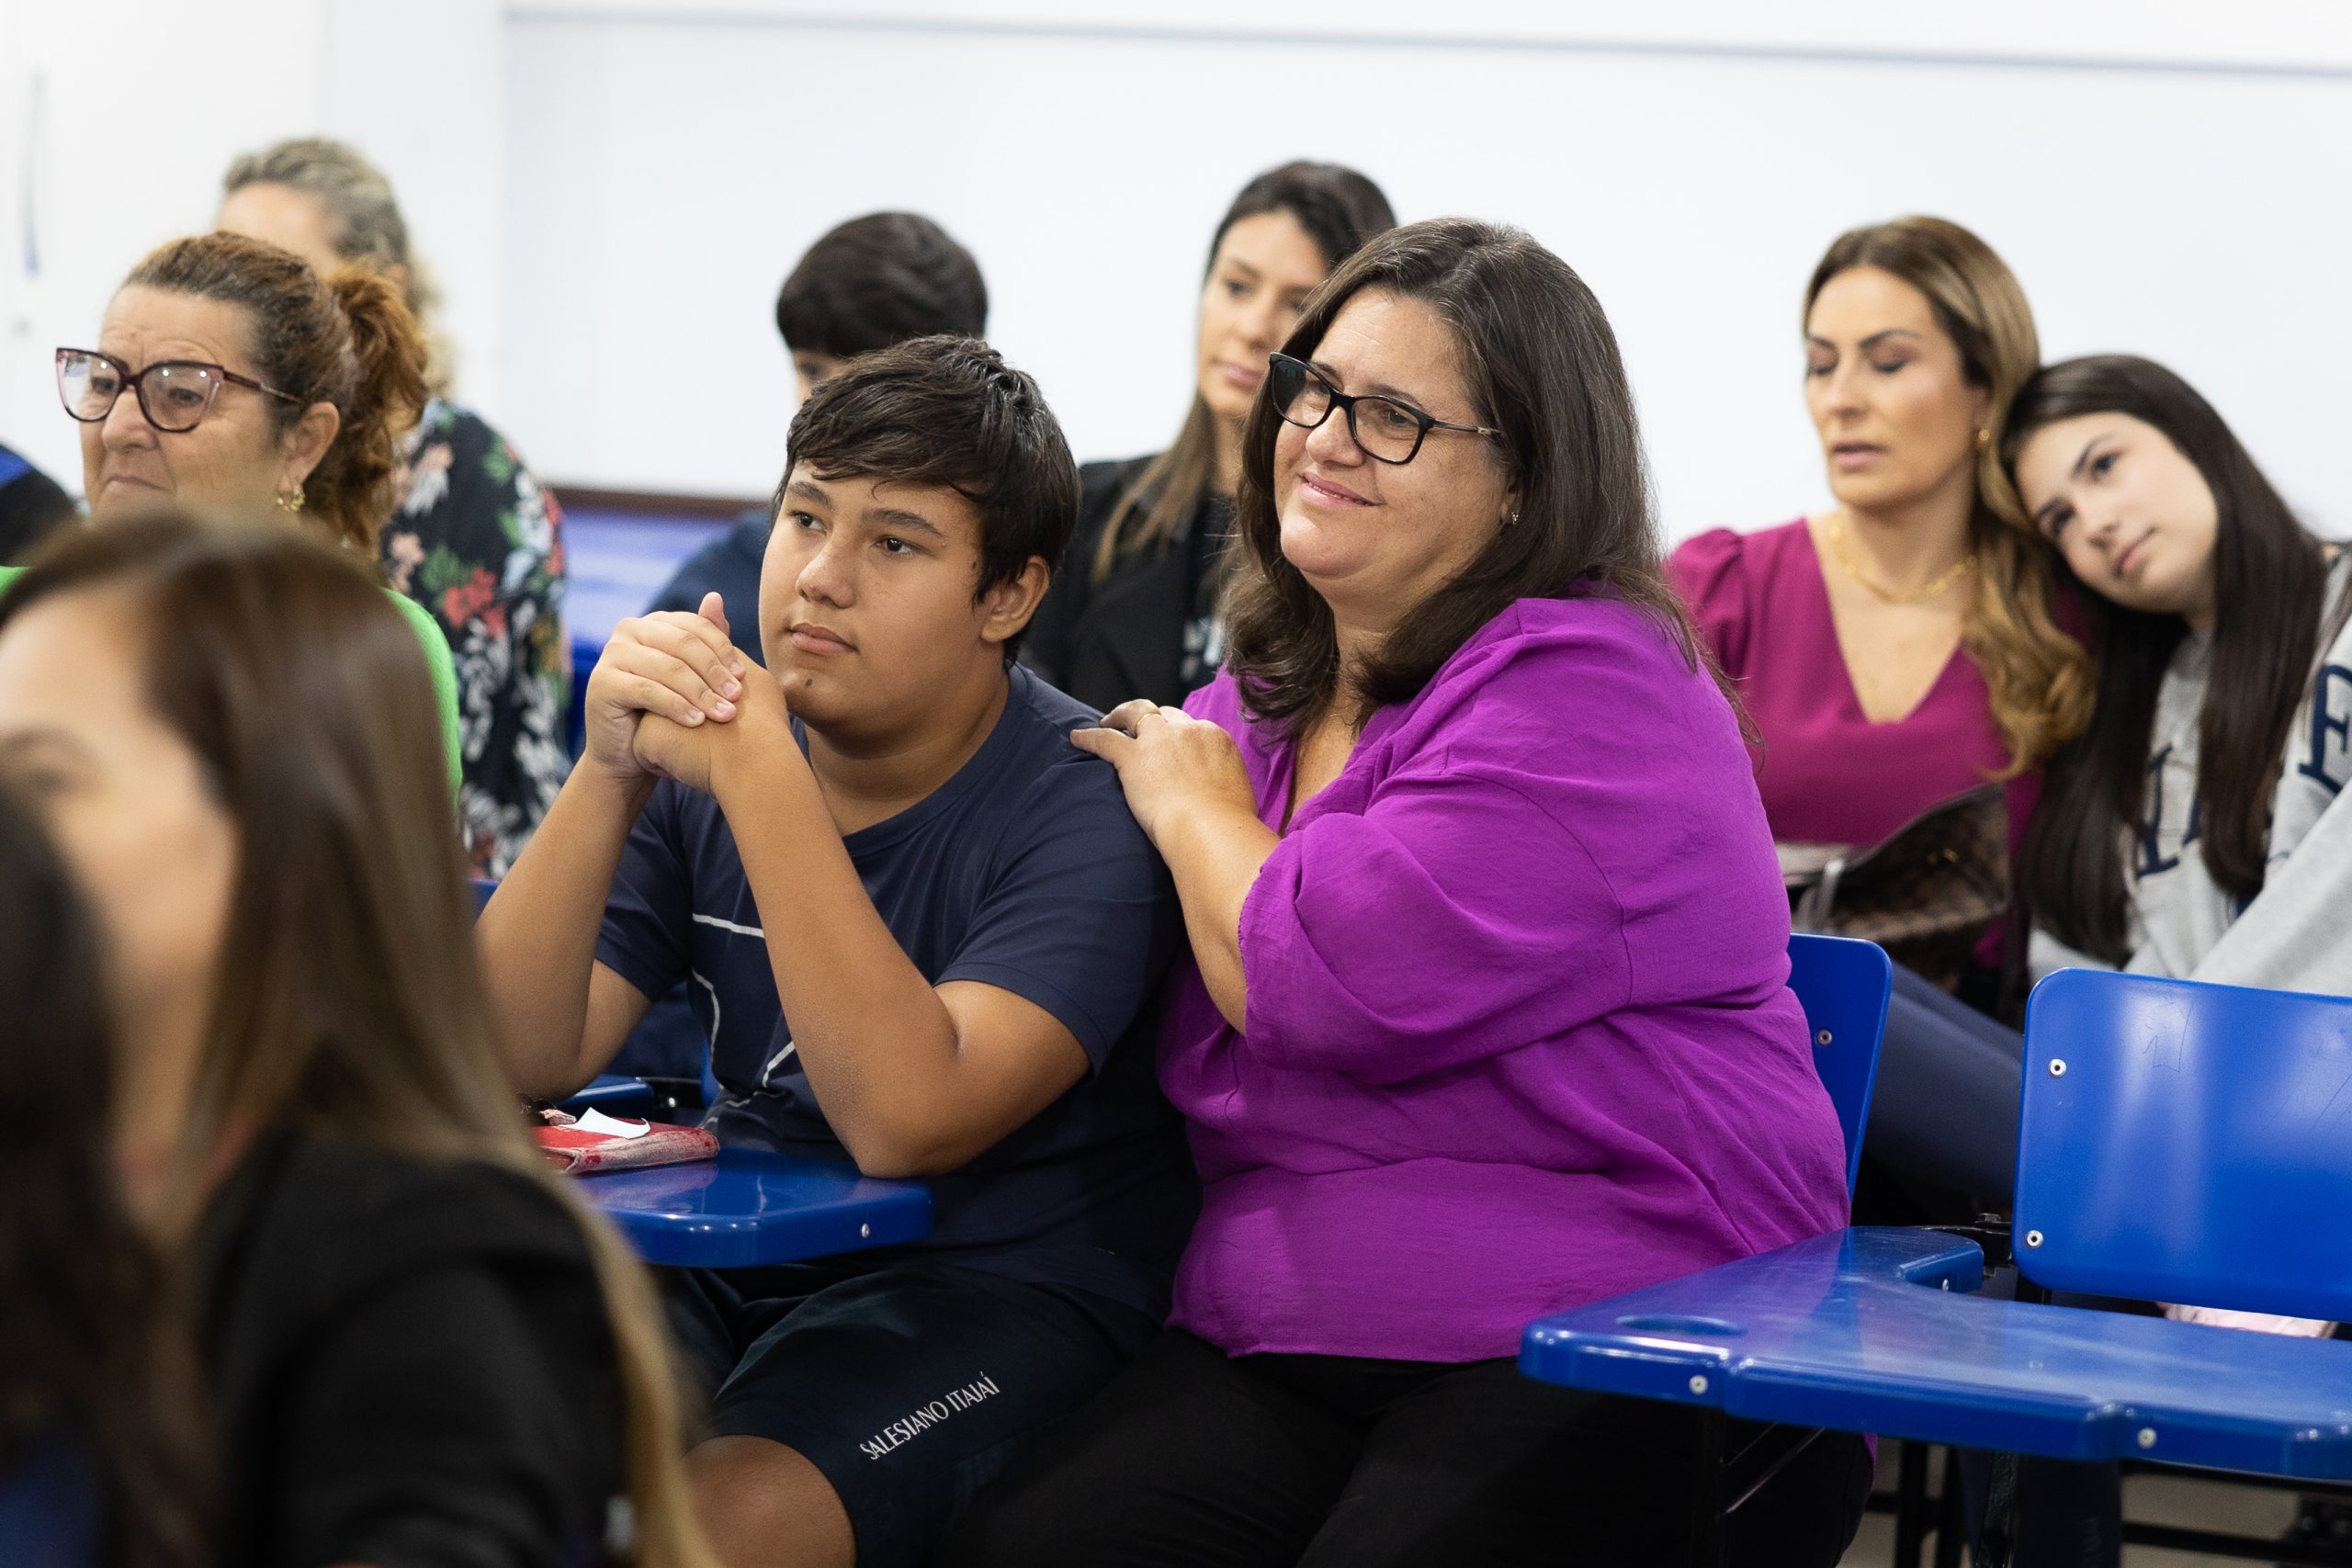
595	1120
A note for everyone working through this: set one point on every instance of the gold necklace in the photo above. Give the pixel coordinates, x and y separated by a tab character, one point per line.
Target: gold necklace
1918	595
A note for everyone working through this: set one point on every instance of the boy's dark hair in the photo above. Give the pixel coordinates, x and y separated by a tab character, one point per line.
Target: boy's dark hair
948	411
878	280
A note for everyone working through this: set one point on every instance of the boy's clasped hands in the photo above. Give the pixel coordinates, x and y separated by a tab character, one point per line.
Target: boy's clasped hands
673	698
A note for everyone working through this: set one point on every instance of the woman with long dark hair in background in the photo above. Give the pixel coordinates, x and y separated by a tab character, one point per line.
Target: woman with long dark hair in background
2195	828
1133	611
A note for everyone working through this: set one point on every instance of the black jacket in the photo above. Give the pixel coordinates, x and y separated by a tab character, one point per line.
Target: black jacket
1125	636
31	507
409	1363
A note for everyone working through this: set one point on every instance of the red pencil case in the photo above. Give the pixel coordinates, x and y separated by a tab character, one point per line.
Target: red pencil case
582	1145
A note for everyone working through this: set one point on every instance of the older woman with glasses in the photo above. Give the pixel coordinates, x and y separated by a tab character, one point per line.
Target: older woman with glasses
1488	1012
253	386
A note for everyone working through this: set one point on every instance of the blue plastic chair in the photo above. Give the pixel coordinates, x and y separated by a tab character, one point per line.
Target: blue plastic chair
2179	1142
1844	986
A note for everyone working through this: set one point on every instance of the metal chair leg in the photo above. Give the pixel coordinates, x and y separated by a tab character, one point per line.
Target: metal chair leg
1911	1505
1707	1479
1951	1514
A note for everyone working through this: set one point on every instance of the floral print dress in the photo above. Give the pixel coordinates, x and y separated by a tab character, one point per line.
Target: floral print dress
478	543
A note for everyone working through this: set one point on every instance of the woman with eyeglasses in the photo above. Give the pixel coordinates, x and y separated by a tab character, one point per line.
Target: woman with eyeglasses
1133	610
1488	1013
228	376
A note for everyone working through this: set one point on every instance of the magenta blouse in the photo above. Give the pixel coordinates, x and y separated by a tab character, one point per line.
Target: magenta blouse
1521	1033
1827	774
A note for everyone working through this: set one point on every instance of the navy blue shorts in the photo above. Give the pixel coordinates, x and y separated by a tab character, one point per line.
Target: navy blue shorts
909	1385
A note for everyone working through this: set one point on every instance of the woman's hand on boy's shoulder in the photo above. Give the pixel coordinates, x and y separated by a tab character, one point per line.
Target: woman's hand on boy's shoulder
1170	762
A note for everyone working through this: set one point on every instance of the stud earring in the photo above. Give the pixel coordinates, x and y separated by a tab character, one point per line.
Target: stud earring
291	500
1984	436
1514	518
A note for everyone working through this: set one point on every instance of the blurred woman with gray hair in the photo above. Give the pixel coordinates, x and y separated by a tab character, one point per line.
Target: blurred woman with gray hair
474	538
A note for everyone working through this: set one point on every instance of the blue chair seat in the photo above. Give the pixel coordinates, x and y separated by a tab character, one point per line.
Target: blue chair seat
1875	1330
750	1207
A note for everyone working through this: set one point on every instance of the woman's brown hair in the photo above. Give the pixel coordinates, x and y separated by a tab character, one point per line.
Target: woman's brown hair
1340	209
2039	677
349	1001
1541	366
94	1363
348	340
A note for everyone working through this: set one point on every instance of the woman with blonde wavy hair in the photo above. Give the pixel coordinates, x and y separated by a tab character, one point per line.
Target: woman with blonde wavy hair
1897	651
419	1344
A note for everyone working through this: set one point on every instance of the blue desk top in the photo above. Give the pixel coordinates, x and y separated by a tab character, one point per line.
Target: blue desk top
1876	1330
749	1208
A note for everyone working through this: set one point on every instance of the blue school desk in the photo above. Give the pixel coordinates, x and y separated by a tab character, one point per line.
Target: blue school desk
1878	1330
749	1208
2178	1141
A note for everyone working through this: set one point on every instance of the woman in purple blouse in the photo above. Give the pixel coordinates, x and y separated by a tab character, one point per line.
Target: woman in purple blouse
1898	649
1488	1014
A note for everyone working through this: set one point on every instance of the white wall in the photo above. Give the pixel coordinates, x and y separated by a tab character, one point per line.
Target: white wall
611	189
89	184
2165	178
97	166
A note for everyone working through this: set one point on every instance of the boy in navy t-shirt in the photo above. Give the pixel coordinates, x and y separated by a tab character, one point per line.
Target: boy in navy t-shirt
886	839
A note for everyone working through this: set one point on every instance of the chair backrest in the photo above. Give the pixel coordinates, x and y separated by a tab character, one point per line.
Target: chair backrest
1844	984
2179	1142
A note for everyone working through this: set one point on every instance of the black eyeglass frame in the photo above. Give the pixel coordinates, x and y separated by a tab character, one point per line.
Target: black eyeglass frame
1345	402
137	385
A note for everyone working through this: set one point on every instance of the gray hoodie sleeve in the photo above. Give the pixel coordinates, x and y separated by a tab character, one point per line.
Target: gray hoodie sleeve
2297	934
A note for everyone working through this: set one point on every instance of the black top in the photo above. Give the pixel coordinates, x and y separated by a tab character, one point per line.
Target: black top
1026	871
730	566
411	1364
1147	630
32	506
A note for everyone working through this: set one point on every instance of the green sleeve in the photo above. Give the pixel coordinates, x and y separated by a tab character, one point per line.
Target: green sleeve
443	673
437	662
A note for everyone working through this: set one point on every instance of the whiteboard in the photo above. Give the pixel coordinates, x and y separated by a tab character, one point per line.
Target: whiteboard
664	169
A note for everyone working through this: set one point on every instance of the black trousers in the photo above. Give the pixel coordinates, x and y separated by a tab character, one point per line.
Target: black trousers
1192	1458
1945	1107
